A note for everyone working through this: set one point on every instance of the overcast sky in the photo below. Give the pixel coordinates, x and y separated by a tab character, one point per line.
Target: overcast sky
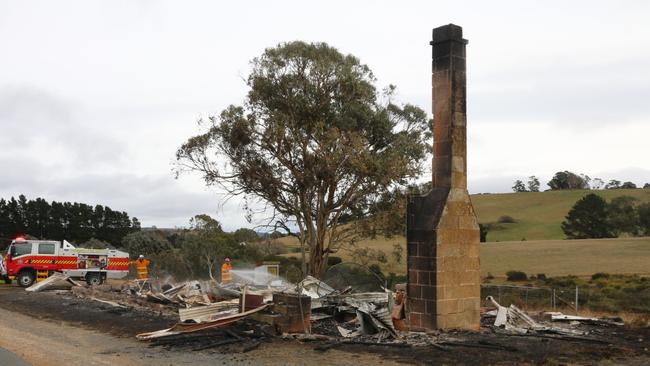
96	96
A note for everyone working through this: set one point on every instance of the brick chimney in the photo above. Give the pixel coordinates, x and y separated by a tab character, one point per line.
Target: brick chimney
442	230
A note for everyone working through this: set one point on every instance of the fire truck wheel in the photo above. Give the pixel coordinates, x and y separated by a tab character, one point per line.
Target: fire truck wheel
93	279
26	278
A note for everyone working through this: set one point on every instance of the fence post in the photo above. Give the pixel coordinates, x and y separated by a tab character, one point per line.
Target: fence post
526	305
553	299
577	300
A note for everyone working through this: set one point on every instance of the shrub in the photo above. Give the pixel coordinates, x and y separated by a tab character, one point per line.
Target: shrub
568	281
333	260
394	279
516	276
489	276
505	219
598	275
541	276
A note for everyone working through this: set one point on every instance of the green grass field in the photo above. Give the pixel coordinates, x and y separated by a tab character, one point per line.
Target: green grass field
551	257
568	257
538	215
538	218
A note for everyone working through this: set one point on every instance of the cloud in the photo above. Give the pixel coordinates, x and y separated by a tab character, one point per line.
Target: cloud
46	127
96	115
589	95
156	200
51	150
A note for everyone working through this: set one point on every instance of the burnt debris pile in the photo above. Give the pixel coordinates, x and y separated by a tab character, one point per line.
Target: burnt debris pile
242	315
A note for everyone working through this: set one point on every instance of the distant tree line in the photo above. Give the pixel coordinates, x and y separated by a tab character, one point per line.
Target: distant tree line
193	252
72	221
199	250
593	217
568	180
531	186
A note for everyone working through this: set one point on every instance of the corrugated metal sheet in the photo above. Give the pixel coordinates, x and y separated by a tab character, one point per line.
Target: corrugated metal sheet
373	297
199	312
188	328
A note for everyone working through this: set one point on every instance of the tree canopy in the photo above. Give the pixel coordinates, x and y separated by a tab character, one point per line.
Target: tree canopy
644	219
568	180
146	242
533	184
628	185
588	219
313	142
622	215
189	253
244	235
72	221
519	186
613	184
207	244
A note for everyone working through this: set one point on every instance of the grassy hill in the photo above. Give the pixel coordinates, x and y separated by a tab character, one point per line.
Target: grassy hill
551	257
538	215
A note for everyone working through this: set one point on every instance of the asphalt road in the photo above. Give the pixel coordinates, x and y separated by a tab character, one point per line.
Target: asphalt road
10	359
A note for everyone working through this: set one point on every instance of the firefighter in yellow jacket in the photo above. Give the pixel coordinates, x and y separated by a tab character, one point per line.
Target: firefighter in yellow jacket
226	267
142	267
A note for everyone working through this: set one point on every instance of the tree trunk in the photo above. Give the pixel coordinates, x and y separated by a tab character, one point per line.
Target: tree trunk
304	256
316	264
210	268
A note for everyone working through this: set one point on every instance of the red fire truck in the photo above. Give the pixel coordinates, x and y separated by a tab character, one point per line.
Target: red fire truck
31	260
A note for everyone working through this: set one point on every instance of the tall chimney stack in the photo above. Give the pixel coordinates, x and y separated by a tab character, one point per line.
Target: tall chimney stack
442	230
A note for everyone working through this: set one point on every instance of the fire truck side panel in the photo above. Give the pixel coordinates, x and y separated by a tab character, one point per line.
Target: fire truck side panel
75	262
82	273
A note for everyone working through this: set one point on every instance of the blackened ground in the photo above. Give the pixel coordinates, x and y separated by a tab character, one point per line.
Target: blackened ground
620	346
627	347
81	312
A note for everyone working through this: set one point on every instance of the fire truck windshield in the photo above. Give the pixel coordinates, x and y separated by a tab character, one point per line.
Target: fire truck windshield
21	249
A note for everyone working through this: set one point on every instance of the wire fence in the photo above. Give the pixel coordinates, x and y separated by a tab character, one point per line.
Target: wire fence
529	297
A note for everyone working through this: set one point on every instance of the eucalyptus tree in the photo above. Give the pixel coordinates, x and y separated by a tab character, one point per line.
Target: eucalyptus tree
314	143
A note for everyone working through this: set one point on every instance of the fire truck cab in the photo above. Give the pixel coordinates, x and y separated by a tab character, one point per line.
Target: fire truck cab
30	260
